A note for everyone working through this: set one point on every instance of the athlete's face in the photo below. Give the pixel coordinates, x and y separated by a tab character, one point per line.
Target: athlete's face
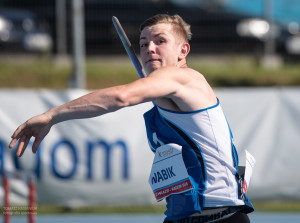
159	47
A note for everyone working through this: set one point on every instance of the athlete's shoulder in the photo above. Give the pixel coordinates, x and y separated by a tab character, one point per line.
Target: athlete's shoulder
174	71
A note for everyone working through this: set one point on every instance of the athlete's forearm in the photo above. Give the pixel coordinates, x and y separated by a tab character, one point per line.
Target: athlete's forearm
88	106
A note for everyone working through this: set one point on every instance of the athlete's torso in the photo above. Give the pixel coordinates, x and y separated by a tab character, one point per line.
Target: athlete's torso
210	130
208	154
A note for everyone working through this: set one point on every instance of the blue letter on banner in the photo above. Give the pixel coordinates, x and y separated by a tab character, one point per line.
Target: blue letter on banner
107	148
37	170
74	161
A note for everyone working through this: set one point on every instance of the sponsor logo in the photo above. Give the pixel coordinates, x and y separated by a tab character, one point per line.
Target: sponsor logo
73	160
167	152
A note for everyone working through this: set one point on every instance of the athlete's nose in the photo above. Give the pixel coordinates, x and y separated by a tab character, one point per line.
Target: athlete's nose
151	47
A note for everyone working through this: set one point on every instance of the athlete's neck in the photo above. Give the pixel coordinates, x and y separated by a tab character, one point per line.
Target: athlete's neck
182	63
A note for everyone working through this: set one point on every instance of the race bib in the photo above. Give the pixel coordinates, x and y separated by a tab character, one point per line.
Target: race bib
250	163
168	174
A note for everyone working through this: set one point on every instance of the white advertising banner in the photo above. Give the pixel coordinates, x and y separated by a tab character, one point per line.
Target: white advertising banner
106	160
266	122
103	160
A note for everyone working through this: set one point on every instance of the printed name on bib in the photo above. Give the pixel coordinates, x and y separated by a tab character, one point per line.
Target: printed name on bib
163	175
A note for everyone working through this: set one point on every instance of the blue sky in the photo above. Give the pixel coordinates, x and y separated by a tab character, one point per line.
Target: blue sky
284	11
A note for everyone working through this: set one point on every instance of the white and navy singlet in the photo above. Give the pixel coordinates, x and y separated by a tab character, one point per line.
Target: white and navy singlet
209	156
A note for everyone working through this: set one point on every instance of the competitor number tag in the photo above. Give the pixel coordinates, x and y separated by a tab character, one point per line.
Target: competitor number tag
250	163
168	174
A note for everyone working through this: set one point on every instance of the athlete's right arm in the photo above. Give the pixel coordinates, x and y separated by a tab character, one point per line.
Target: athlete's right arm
95	104
91	105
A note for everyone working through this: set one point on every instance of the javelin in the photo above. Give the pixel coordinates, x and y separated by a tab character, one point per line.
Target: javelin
128	47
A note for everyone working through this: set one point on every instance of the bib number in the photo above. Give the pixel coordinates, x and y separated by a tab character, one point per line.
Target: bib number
168	174
250	163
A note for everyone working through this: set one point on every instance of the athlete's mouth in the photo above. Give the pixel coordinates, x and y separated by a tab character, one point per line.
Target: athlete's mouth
153	60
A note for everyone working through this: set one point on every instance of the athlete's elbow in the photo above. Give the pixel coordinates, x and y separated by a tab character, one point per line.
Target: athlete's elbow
123	100
127	98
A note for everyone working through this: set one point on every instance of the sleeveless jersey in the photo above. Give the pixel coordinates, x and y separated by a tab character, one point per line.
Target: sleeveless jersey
209	156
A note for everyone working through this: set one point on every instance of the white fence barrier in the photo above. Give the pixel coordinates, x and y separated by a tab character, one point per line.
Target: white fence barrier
106	160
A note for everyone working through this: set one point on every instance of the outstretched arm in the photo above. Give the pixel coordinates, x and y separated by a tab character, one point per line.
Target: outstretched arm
158	84
90	105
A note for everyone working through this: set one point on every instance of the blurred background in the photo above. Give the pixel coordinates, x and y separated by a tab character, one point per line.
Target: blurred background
218	26
263	33
52	51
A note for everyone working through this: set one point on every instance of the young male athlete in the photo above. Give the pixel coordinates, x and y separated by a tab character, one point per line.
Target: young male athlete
186	112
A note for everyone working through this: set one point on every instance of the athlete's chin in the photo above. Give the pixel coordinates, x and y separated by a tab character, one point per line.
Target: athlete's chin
153	67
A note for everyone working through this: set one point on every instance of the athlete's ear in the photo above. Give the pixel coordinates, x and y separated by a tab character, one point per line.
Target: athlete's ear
184	51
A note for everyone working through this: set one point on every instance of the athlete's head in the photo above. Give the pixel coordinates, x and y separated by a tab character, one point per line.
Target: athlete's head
164	41
180	28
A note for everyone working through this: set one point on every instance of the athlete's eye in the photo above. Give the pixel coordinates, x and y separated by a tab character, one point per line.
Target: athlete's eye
161	41
143	45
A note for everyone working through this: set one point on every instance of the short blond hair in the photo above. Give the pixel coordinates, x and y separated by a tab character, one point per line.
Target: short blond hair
180	27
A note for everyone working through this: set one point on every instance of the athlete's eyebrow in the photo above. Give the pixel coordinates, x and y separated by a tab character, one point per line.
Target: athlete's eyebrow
158	34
